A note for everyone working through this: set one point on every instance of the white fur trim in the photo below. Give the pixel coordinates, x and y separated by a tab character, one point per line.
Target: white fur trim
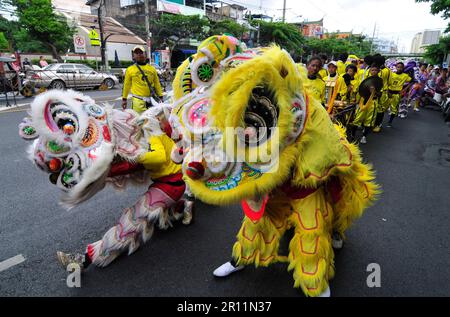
97	169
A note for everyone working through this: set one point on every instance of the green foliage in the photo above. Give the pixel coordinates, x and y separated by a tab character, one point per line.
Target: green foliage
285	35
440	6
227	26
37	22
180	26
24	43
334	46
436	53
7	28
4	45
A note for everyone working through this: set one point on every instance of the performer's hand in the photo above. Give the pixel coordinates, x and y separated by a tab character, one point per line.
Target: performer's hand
124	104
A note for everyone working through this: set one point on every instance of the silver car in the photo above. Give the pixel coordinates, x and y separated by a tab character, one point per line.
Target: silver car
61	76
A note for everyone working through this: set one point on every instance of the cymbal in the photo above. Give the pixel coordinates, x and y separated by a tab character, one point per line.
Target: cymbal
364	87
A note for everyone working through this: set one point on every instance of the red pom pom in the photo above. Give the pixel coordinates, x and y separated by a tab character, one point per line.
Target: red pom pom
55	164
195	170
106	134
68	129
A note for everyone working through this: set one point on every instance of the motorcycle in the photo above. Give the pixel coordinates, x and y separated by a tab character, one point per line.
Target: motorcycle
432	98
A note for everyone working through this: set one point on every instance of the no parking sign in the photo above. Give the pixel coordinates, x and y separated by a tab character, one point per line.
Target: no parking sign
79	43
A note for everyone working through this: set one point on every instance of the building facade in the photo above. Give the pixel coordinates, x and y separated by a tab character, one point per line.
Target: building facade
384	46
423	39
311	28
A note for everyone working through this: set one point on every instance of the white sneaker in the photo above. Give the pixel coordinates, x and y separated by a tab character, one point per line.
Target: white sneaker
363	140
326	293
416	109
226	269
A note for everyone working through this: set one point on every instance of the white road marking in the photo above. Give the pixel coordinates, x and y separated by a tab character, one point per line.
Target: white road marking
11	262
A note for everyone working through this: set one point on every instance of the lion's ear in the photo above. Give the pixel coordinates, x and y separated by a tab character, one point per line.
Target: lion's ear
27	130
283	72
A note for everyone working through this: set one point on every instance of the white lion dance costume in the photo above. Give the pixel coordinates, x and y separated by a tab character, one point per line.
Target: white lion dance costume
315	181
84	146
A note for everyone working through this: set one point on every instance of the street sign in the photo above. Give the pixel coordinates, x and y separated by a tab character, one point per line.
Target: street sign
79	43
94	38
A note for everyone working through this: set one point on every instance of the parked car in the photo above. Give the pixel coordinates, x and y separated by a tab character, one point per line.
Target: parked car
61	76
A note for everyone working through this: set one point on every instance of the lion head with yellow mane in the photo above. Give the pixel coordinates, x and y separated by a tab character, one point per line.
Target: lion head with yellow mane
252	134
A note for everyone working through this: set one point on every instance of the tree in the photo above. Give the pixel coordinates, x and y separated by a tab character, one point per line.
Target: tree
285	35
7	28
333	46
436	53
4	45
440	6
24	43
170	29
227	26
38	23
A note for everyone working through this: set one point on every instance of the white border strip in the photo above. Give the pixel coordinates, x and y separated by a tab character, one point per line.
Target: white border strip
11	262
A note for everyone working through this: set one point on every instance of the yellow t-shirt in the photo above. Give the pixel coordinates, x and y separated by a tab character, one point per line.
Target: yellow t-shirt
385	74
340	67
135	82
397	81
342	86
362	74
157	160
315	88
323	73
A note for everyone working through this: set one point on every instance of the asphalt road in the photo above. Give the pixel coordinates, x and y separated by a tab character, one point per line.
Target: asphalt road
406	232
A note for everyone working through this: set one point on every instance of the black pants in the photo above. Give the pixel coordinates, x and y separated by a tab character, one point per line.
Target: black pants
379	119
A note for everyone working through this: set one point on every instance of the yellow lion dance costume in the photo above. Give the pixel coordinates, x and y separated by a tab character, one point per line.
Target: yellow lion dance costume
313	180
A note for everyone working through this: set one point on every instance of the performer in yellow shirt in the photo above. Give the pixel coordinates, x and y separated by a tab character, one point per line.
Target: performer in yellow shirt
383	104
136	83
366	112
341	63
364	69
345	83
396	83
314	85
330	80
323	72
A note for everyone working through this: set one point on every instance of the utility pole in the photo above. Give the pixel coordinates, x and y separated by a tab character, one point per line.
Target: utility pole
147	29
284	10
373	36
102	40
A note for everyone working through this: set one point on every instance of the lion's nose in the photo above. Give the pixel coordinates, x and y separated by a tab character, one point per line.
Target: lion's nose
195	170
